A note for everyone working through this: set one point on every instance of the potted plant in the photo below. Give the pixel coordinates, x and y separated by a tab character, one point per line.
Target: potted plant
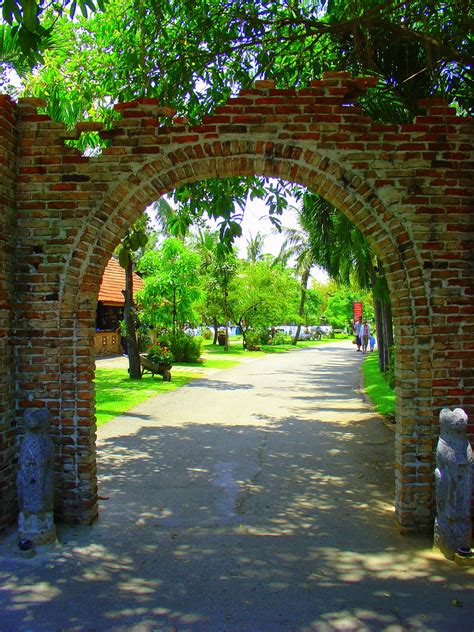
160	355
221	337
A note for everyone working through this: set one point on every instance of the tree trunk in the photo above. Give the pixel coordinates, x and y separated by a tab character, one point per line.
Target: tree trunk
383	363
380	333
388	329
215	324
383	316
297	334
226	316
174	312
389	324
243	330
304	286
134	369
378	314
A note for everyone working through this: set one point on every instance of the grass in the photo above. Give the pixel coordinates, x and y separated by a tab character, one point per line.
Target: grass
289	347
235	348
210	363
375	386
116	393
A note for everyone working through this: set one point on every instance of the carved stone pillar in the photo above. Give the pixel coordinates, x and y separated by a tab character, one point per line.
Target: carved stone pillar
35	480
454	470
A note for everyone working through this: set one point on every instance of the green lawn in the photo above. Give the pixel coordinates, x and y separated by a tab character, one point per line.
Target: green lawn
289	347
235	348
210	363
375	386
116	393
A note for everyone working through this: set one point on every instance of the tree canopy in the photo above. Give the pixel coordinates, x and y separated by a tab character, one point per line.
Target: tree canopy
262	295
171	285
27	27
90	54
87	55
192	55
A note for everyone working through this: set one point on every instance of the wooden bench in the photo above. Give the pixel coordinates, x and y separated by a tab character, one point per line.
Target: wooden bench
155	369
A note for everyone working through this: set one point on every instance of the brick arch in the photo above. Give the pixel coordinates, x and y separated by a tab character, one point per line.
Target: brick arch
385	231
408	188
384	228
311	170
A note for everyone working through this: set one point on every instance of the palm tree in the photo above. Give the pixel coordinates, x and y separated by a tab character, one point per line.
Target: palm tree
339	247
297	246
13	55
219	266
205	243
255	247
172	222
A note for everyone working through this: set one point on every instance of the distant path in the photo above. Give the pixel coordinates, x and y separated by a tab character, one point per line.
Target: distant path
257	499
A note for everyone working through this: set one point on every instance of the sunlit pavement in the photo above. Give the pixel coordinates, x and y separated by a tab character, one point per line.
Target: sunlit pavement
259	498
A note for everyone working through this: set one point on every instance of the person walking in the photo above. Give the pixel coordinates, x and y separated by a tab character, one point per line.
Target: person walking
357	330
365	335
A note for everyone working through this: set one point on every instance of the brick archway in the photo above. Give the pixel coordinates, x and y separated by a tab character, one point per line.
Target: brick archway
406	187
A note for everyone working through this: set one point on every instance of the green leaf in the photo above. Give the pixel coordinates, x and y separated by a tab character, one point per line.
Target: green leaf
143	239
134	242
30	17
72	8
26	40
124	258
9	6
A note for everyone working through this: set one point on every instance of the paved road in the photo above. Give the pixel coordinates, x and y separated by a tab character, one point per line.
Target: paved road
258	499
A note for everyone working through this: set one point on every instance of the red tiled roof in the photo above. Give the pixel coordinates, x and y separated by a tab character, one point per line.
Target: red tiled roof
113	282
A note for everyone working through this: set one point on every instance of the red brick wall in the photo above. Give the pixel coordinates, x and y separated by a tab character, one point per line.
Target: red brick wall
408	188
7	237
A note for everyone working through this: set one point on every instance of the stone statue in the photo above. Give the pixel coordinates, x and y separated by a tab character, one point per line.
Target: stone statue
35	483
453	474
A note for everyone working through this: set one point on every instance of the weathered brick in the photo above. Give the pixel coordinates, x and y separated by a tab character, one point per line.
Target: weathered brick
408	187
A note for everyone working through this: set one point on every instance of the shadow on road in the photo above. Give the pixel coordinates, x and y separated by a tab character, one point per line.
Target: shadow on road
274	524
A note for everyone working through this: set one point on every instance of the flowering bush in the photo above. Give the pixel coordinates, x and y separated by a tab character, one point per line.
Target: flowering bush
159	354
184	348
253	340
